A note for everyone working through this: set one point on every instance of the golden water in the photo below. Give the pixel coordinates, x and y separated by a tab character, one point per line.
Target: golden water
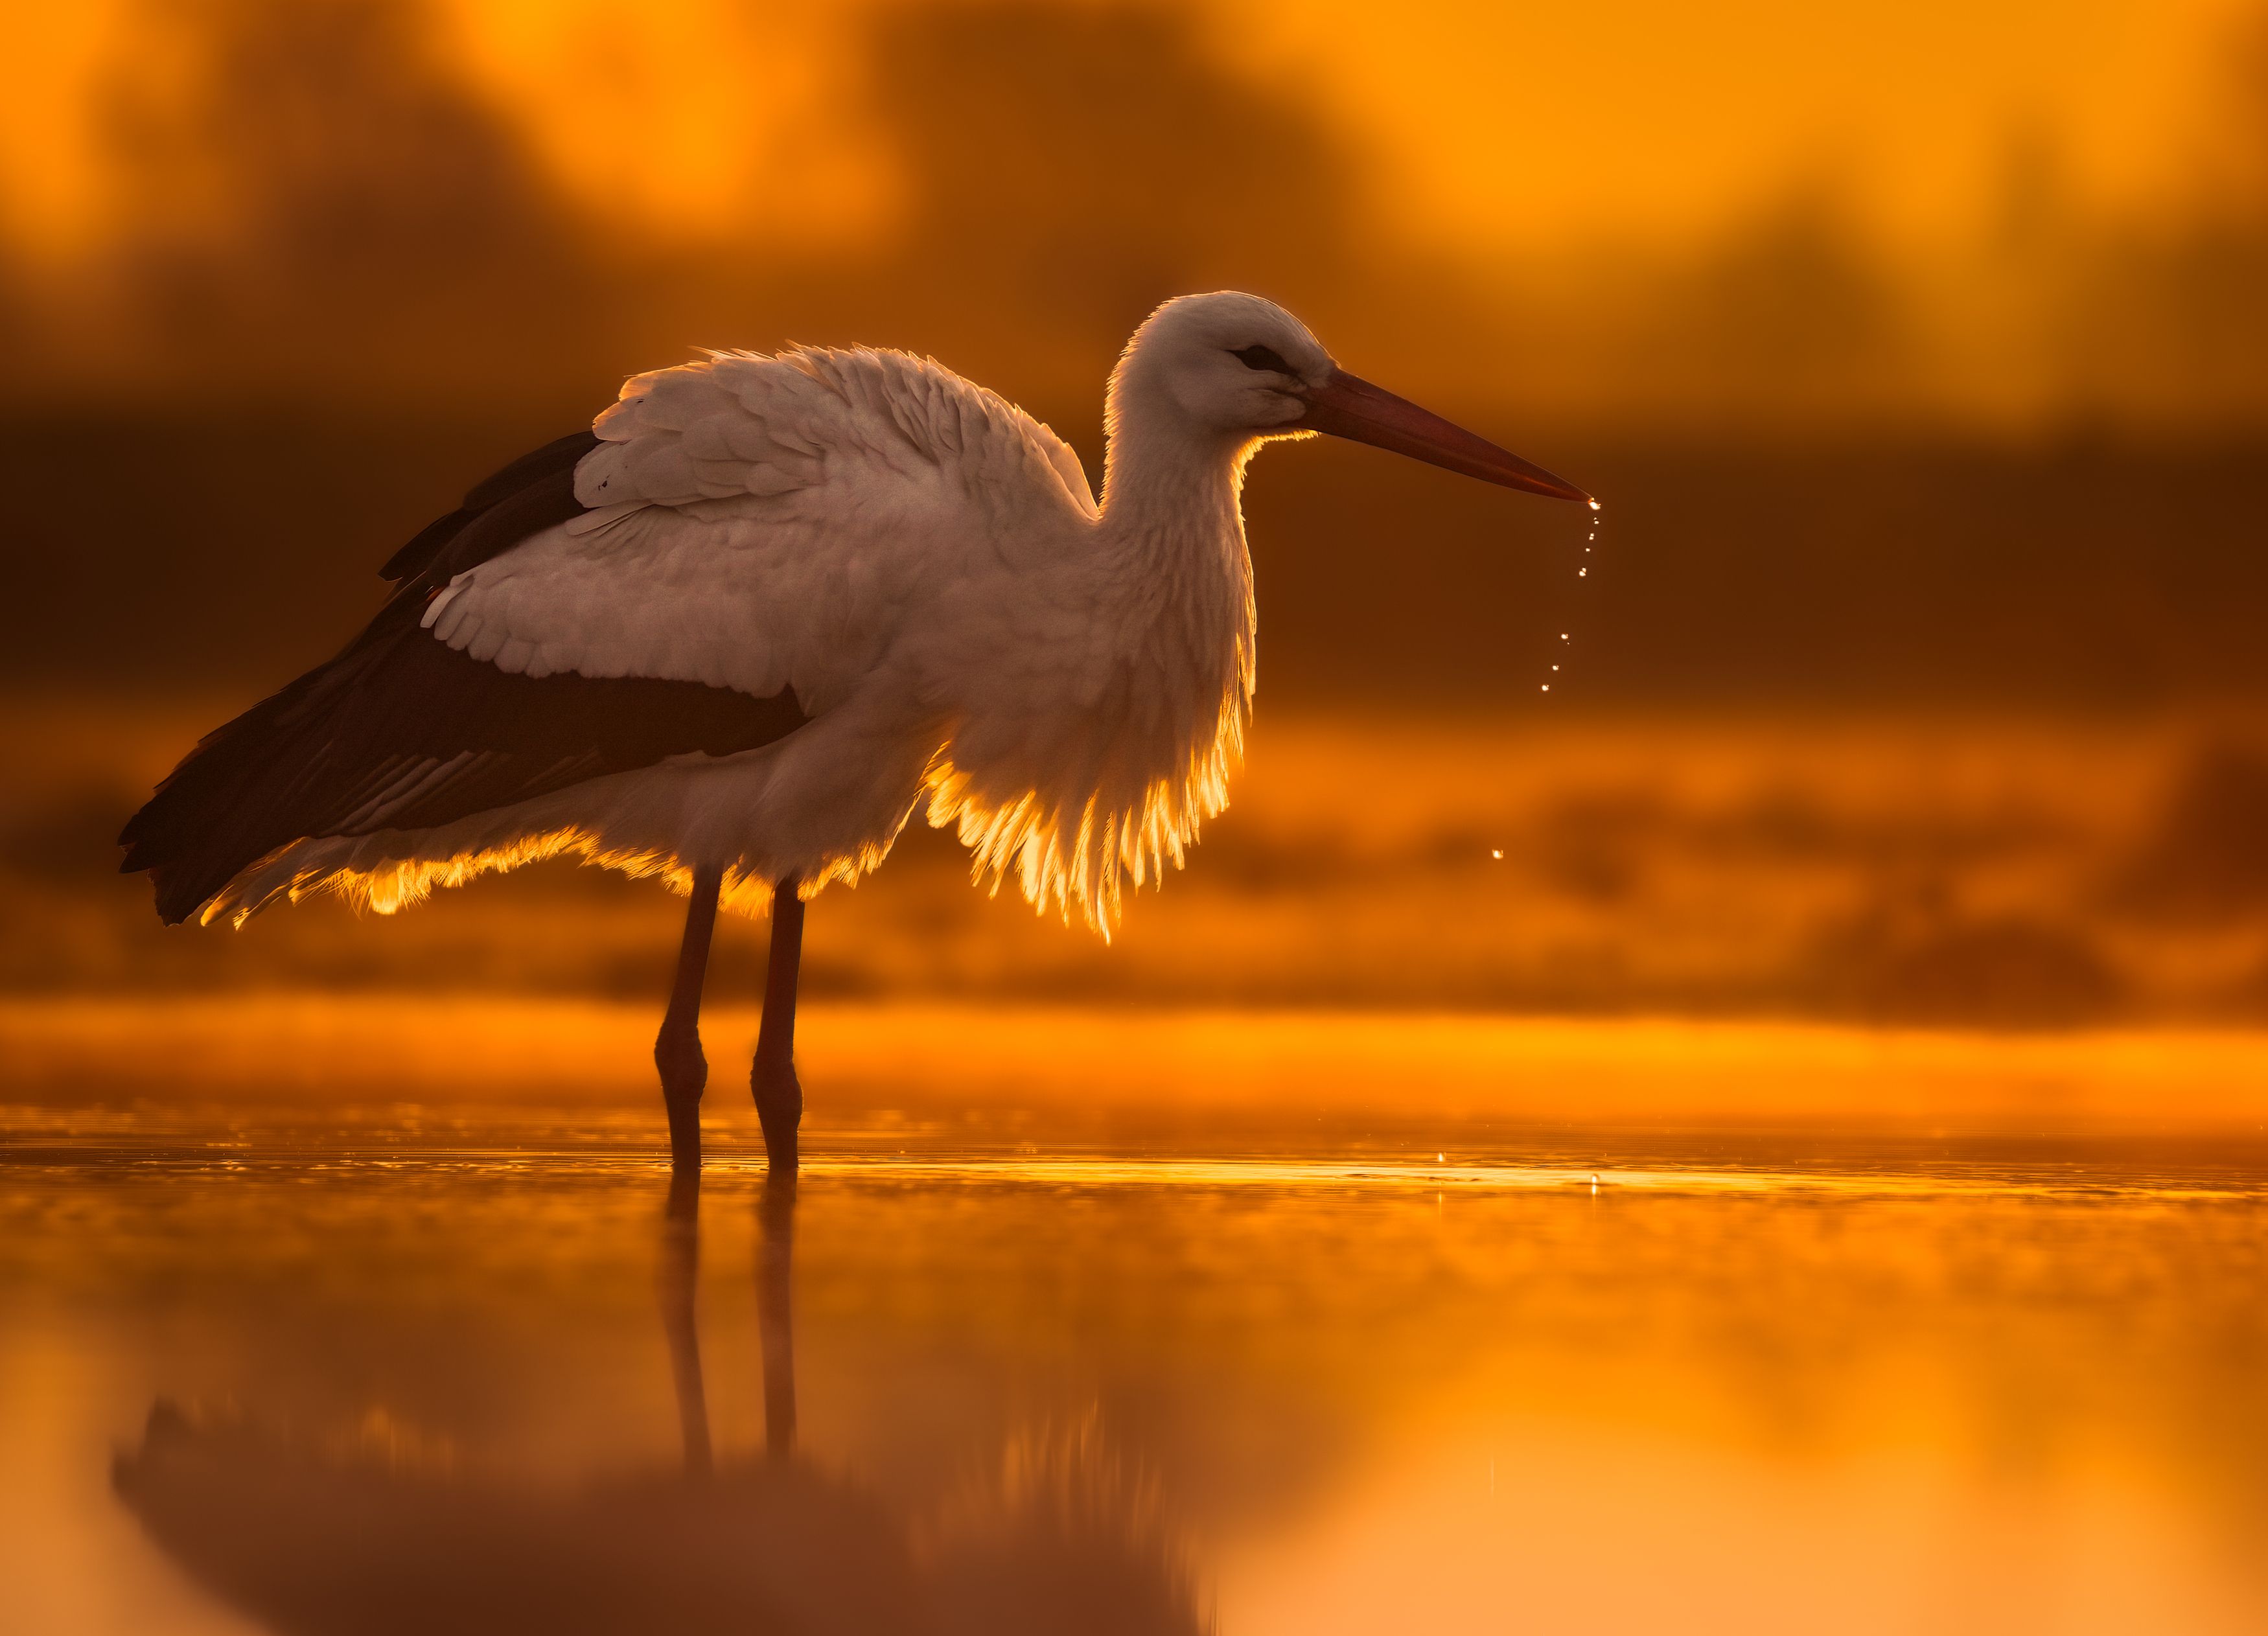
453	1371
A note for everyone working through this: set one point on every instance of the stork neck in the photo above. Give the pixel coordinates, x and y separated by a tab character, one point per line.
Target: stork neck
1167	495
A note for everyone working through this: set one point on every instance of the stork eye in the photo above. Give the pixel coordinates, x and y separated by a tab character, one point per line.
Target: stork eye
1261	358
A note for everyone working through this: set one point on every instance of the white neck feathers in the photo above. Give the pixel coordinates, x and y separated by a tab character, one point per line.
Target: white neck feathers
1116	781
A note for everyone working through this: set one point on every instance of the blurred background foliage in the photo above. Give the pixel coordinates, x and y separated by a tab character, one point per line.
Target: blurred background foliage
1919	353
349	202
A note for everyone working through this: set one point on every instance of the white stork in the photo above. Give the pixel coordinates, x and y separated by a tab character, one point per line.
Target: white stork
735	634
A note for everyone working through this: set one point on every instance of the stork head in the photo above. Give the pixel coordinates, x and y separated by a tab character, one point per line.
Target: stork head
1239	368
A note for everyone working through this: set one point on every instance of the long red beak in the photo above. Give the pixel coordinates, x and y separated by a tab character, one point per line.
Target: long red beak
1347	406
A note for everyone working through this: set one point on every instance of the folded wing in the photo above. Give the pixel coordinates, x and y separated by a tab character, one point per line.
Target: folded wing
733	541
401	731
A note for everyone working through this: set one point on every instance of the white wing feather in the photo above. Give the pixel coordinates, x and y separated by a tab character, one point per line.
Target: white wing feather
919	560
761	522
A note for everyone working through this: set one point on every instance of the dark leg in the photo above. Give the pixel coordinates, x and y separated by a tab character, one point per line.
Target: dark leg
776	1309
677	1052
779	1097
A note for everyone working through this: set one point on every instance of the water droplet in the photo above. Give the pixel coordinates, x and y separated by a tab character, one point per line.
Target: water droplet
1496	852
1547	687
1582	573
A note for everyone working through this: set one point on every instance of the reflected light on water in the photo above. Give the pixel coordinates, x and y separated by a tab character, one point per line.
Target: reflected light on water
269	1387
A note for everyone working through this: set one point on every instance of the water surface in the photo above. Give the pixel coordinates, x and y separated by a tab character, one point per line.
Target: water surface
483	1376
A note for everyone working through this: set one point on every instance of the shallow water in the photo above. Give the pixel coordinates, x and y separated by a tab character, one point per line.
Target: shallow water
499	1377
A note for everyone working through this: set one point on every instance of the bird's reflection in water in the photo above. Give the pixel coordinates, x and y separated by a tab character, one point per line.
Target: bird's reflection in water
386	1537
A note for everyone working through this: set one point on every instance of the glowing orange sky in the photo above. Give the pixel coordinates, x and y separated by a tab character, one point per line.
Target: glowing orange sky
1491	123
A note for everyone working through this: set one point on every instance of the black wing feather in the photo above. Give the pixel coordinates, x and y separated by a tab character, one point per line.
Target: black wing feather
403	731
539	470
